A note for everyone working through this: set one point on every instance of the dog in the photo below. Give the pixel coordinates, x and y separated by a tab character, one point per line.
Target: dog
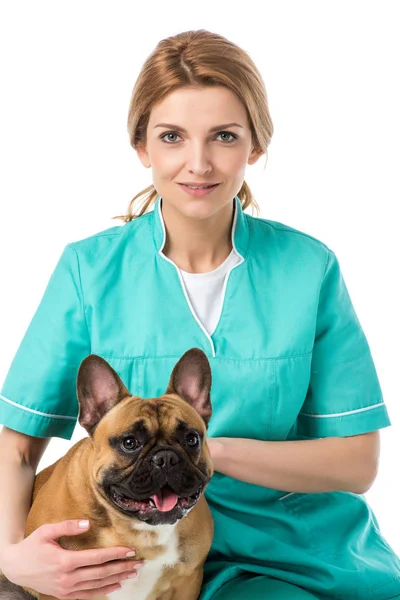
139	477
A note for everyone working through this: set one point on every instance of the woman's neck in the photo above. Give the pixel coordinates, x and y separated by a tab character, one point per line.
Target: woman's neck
198	246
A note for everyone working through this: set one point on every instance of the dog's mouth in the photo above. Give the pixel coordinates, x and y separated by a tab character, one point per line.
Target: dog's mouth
163	500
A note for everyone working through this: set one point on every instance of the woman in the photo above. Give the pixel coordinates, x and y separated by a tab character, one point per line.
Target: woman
296	400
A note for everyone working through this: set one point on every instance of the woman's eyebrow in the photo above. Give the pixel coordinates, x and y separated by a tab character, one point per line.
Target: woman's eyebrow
216	128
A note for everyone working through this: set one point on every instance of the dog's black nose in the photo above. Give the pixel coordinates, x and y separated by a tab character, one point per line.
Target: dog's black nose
165	458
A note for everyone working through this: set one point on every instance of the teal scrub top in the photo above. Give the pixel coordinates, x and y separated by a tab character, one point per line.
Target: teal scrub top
289	361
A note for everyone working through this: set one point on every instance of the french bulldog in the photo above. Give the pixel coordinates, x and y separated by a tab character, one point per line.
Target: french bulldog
139	477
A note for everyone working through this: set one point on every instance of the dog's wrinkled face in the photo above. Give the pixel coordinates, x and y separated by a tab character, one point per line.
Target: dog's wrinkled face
150	460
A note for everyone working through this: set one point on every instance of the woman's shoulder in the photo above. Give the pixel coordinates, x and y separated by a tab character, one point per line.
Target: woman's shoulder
289	248
284	236
111	237
284	230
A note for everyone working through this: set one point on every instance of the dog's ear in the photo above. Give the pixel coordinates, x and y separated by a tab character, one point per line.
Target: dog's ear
99	388
191	380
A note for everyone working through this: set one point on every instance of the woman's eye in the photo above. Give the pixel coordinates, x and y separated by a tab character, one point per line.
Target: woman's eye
229	133
130	444
165	134
169	133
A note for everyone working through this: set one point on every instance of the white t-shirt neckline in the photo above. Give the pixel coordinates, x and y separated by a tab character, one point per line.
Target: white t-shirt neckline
210	274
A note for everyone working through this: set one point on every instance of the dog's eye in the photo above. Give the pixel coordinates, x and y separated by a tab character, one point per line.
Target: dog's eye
130	444
192	439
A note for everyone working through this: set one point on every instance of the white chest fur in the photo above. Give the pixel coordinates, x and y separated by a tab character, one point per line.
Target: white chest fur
140	588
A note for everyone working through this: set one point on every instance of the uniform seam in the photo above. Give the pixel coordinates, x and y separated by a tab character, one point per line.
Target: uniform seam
274	394
293	356
82	299
329	253
232	359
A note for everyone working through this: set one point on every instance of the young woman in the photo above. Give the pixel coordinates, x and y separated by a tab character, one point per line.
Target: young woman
296	400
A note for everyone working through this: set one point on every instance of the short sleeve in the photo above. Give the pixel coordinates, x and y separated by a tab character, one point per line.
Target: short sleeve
38	396
344	396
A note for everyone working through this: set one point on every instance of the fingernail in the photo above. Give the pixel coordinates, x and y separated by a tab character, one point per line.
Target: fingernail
132	575
131	553
83	524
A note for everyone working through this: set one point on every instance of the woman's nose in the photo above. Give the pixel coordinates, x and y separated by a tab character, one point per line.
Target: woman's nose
198	160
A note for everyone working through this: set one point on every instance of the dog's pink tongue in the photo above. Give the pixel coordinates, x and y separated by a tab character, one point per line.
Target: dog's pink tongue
165	499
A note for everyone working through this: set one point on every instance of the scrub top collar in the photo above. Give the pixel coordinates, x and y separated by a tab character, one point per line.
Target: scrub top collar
240	228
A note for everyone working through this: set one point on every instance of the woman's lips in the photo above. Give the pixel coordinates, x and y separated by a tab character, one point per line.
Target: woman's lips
199	192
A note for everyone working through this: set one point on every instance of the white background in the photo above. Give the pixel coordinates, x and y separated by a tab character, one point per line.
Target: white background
332	76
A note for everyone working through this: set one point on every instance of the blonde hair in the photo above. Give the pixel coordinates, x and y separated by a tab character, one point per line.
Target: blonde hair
199	58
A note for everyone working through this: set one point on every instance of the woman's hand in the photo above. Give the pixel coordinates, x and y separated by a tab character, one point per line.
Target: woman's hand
40	563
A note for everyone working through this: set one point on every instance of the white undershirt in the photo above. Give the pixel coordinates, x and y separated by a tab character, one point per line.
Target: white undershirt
205	291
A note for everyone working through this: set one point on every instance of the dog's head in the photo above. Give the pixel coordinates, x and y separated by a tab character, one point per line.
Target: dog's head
150	457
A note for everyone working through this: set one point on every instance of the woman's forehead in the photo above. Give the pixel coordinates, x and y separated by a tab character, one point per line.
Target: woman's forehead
210	107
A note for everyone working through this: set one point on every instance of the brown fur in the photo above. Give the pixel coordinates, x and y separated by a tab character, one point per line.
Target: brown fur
64	491
10	591
72	487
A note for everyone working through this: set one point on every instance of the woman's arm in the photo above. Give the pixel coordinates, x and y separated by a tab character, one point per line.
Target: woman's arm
38	561
306	466
19	457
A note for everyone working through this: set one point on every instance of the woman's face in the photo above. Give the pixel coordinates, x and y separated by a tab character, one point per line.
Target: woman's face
209	151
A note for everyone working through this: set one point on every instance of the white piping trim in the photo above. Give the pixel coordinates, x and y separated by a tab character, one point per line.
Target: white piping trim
350	412
224	289
233	230
189	303
183	284
290	494
36	412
